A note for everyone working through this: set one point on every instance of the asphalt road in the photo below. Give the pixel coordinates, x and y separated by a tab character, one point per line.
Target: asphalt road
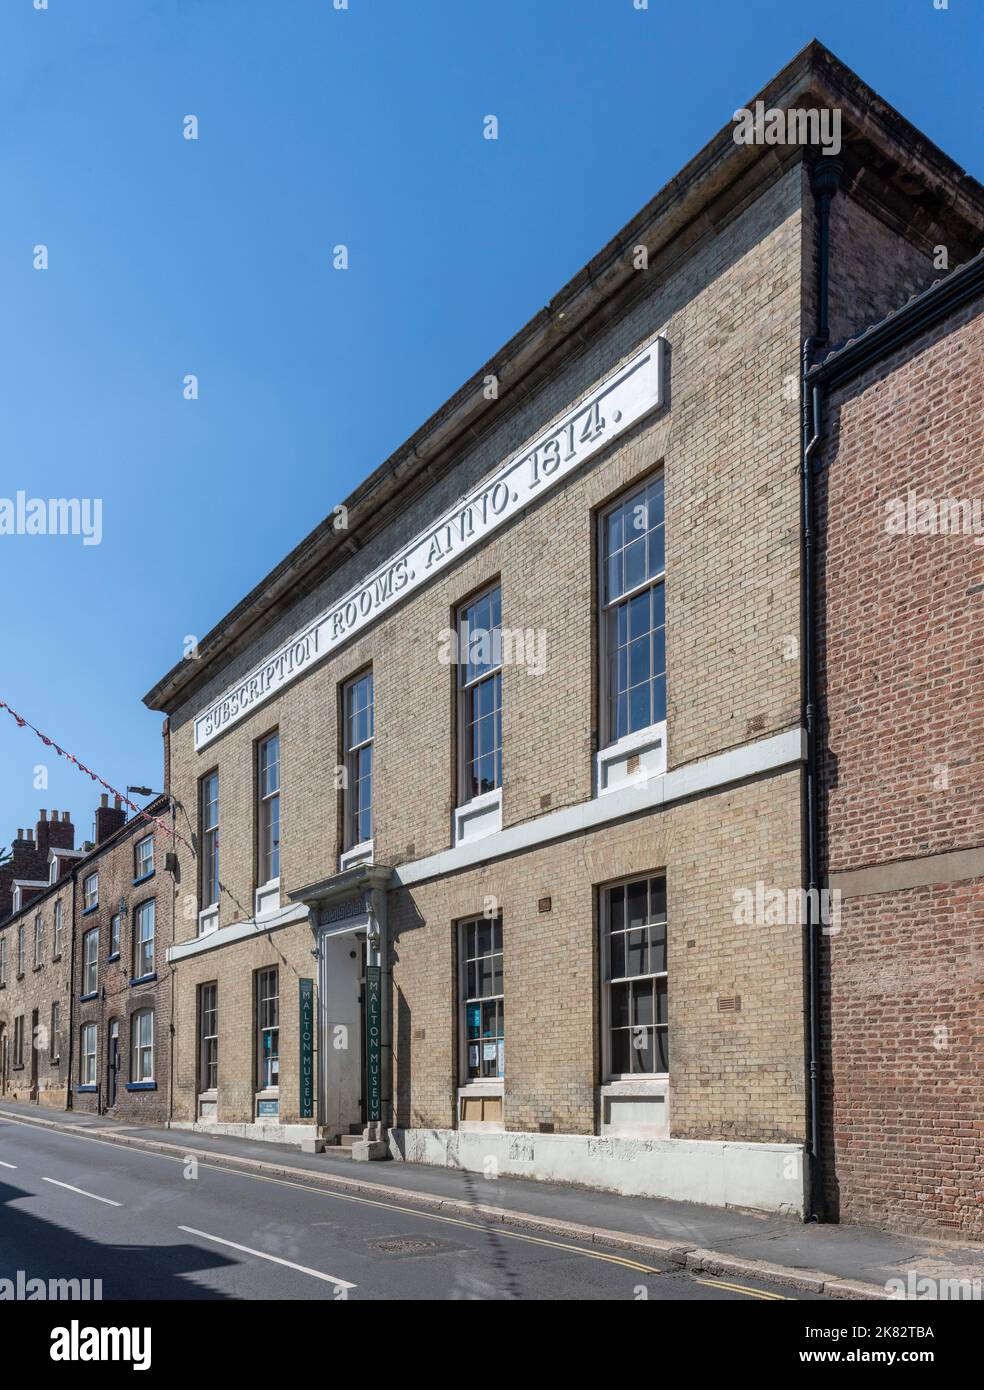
153	1227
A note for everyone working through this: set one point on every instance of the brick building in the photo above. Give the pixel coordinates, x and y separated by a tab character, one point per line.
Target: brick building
85	1003
36	897
496	778
122	989
901	577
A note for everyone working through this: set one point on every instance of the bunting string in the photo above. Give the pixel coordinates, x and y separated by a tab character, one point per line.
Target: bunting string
160	821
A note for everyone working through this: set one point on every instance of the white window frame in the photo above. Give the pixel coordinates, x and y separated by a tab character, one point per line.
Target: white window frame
88	1064
115	934
3	958
58	930
139	1048
142	910
209	837
141	869
90	892
38	940
640	754
465	1000
658	1078
207	1086
20	949
467	687
90	961
54	1039
357	848
266	1085
267	893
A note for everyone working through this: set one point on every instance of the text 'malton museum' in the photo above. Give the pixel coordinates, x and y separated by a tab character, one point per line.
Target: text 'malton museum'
495	781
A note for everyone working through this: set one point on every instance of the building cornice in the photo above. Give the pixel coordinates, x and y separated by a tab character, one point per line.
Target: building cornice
890	167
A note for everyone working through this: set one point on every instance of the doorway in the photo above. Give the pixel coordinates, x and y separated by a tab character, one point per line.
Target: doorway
341	1031
34	1054
112	1062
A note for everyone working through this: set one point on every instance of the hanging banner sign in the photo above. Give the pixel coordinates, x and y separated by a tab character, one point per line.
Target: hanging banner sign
306	1044
623	398
374	1018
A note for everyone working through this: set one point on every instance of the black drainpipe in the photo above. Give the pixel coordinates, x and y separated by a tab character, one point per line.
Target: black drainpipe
827	175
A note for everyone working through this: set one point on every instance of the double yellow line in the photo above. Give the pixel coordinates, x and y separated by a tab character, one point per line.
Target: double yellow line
506	1232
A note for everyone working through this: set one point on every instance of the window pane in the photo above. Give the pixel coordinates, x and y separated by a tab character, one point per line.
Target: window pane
484	977
659	699
613	537
636	952
635	563
620	1048
616	956
620	1006
640	703
659	605
637	902
639	658
621	716
660	1000
657	955
642	1050
642	1004
657	558
639	615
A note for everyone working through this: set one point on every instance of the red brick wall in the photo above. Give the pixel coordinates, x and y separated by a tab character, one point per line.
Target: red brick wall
902	699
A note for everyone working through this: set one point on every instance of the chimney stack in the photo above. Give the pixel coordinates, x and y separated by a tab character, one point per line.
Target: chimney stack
54	833
109	819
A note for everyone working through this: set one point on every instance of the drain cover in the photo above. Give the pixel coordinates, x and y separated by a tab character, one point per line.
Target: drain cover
408	1245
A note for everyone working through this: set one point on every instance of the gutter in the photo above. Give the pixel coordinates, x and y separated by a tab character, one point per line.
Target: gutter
826	177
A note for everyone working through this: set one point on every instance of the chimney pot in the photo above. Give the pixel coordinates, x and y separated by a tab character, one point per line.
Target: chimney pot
116	802
64	815
104	800
20	832
54	815
44	814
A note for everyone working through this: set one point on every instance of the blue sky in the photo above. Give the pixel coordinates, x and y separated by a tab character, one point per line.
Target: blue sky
214	257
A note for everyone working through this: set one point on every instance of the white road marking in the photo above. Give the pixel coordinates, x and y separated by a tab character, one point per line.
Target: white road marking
82	1192
7	1165
275	1259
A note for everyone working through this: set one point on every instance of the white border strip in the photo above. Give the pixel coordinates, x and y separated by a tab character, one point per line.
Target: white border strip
748	760
710	774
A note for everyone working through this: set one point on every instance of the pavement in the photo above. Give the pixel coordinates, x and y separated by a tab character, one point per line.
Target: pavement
771	1255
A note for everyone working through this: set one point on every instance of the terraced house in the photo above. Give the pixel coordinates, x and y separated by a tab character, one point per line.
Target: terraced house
84	1011
488	777
36	902
124	902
